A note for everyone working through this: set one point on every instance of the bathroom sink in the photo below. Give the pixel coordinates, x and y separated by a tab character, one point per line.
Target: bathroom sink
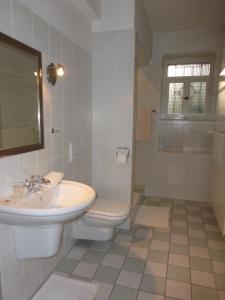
53	204
38	218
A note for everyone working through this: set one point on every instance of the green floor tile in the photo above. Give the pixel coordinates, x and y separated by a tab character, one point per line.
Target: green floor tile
216	236
141	242
197	242
107	274
153	284
67	265
179	230
209	221
179	217
178	273
220	281
193	213
161	236
93	256
158	256
123	293
218	255
204	293
118	249
179	249
195	225
201	264
134	264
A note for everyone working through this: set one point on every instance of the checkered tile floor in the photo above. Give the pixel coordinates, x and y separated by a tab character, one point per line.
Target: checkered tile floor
186	261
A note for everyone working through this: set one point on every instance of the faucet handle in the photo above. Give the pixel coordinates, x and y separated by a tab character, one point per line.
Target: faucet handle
32	178
27	182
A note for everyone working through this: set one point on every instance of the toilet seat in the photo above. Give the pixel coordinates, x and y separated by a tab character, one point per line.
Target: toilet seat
108	208
99	222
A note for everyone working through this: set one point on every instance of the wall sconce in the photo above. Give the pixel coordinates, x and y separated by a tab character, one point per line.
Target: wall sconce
53	72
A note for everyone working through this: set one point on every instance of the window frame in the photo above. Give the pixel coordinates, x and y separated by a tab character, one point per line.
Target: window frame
187	80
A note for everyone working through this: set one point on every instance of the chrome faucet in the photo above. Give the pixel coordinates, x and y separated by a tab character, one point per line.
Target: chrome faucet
33	184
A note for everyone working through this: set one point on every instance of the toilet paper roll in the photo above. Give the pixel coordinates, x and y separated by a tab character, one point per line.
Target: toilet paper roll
122	155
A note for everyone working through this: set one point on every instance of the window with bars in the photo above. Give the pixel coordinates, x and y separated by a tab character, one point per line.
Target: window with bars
186	93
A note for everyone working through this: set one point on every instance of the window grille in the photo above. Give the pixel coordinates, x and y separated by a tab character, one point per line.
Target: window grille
186	89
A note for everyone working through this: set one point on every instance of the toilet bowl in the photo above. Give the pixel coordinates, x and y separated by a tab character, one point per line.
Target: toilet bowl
100	220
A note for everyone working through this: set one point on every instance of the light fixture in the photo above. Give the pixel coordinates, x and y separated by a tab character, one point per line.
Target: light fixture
53	72
222	73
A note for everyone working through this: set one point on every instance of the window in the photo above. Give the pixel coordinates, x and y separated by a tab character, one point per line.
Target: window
186	88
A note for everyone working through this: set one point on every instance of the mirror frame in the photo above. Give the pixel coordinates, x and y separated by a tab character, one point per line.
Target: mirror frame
27	49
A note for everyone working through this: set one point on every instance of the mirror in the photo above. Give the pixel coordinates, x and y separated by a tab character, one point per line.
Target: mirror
21	112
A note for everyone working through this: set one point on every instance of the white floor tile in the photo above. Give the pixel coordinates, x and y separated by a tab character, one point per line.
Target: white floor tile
113	260
222	295
179	260
104	290
216	245
219	267
138	252
178	290
155	269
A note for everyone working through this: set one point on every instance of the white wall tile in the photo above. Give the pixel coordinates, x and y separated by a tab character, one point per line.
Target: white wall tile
56	113
55	43
22	22
40	33
12	267
32	280
17	290
67	84
5	17
67	51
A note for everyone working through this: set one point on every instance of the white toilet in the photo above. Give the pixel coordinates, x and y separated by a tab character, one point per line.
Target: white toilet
100	220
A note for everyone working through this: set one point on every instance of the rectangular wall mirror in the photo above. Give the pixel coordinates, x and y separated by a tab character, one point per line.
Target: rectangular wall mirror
21	103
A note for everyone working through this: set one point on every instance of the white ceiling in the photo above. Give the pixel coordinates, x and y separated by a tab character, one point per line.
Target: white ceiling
179	15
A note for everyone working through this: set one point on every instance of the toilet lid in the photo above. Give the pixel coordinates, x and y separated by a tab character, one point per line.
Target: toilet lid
109	208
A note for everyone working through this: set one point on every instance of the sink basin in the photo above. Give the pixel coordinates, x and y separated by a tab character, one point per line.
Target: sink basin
38	218
53	204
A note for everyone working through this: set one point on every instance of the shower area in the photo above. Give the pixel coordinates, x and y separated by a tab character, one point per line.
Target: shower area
175	117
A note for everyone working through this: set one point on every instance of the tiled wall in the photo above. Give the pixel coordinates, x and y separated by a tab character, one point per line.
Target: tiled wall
67	107
184	176
217	189
0	288
220	112
113	77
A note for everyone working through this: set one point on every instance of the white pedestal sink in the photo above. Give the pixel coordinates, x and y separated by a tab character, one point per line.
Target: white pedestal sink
39	217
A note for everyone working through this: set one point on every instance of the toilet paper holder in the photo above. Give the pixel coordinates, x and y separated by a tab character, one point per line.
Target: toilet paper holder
123	150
